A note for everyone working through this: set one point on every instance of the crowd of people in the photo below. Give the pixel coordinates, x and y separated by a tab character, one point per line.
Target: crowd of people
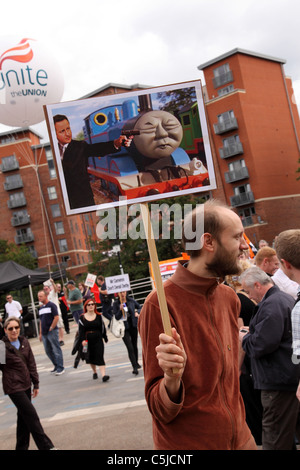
19	372
228	376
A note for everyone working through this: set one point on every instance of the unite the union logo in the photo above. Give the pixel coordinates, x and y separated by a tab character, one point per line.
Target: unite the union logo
20	53
30	77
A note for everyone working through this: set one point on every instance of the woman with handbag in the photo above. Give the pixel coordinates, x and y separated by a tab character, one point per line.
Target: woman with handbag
92	332
127	309
19	373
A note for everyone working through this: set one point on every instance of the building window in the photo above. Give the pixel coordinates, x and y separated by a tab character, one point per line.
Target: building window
231	146
226	122
50	162
52	192
222	75
235	166
237	171
244	188
55	209
246	215
63	245
24	235
59	228
20	218
225	90
242	195
32	250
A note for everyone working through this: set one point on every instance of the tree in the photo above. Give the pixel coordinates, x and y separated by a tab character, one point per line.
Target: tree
298	171
19	254
134	254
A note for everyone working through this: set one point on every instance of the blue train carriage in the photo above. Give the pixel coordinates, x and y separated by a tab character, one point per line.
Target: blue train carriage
117	174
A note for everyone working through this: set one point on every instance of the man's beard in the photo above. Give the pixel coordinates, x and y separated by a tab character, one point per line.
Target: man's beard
224	264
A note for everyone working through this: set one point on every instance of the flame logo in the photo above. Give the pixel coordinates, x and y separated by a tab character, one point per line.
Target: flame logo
20	53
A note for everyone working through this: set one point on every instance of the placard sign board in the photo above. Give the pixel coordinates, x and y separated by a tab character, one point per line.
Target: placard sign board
170	153
116	284
90	280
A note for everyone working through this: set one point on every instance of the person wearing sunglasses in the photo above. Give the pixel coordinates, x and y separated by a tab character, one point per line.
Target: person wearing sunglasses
21	382
92	332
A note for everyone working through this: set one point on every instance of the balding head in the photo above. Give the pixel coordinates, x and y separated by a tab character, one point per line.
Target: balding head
211	217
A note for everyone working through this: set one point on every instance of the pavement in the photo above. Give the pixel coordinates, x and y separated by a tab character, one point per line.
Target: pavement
79	413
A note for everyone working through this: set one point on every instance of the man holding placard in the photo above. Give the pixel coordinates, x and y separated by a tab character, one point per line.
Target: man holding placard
192	377
105	298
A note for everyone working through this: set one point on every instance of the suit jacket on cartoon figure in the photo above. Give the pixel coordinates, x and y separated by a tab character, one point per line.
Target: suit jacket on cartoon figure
75	163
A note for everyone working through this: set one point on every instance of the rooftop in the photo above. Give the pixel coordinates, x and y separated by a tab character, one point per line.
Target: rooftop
114	85
237	50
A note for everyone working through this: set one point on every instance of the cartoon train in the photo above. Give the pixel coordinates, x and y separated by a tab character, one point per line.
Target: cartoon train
166	153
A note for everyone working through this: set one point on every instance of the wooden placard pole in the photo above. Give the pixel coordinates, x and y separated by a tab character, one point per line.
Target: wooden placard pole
156	271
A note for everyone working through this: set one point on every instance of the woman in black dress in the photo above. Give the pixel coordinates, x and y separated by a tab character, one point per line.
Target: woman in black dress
92	332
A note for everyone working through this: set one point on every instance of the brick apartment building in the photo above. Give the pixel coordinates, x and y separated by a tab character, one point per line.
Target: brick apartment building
255	132
32	210
36	217
254	128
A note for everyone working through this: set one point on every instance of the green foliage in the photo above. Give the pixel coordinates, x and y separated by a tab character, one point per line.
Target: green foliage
298	171
134	254
18	253
173	100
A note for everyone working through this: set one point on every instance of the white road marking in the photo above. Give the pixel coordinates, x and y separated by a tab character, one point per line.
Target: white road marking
96	409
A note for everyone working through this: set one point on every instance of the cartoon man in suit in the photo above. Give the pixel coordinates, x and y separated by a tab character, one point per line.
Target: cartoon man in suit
74	156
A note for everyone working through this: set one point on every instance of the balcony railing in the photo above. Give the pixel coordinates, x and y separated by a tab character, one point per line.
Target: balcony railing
15	184
9	165
231	150
20	220
225	126
246	221
24	238
242	199
19	202
236	175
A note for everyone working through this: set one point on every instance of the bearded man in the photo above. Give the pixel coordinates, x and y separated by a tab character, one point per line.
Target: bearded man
192	378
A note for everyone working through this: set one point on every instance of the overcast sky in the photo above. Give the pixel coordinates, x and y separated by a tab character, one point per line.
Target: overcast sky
157	42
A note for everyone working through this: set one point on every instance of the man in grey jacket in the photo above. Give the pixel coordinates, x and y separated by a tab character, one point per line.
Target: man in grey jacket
269	346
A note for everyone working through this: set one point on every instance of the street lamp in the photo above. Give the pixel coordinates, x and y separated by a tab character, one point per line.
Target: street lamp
117	249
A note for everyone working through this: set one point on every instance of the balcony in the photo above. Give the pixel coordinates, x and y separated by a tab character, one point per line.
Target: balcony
24	238
231	150
15	183
16	202
9	164
223	79
17	220
242	199
227	125
236	175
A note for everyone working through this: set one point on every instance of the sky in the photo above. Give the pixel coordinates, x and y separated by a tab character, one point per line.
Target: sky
152	43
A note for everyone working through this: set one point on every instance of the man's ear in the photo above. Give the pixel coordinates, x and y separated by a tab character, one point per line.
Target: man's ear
286	264
208	242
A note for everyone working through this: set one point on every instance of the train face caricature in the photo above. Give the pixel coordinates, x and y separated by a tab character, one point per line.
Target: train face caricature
154	163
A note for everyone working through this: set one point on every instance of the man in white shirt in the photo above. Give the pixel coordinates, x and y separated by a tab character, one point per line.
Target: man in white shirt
285	283
13	308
